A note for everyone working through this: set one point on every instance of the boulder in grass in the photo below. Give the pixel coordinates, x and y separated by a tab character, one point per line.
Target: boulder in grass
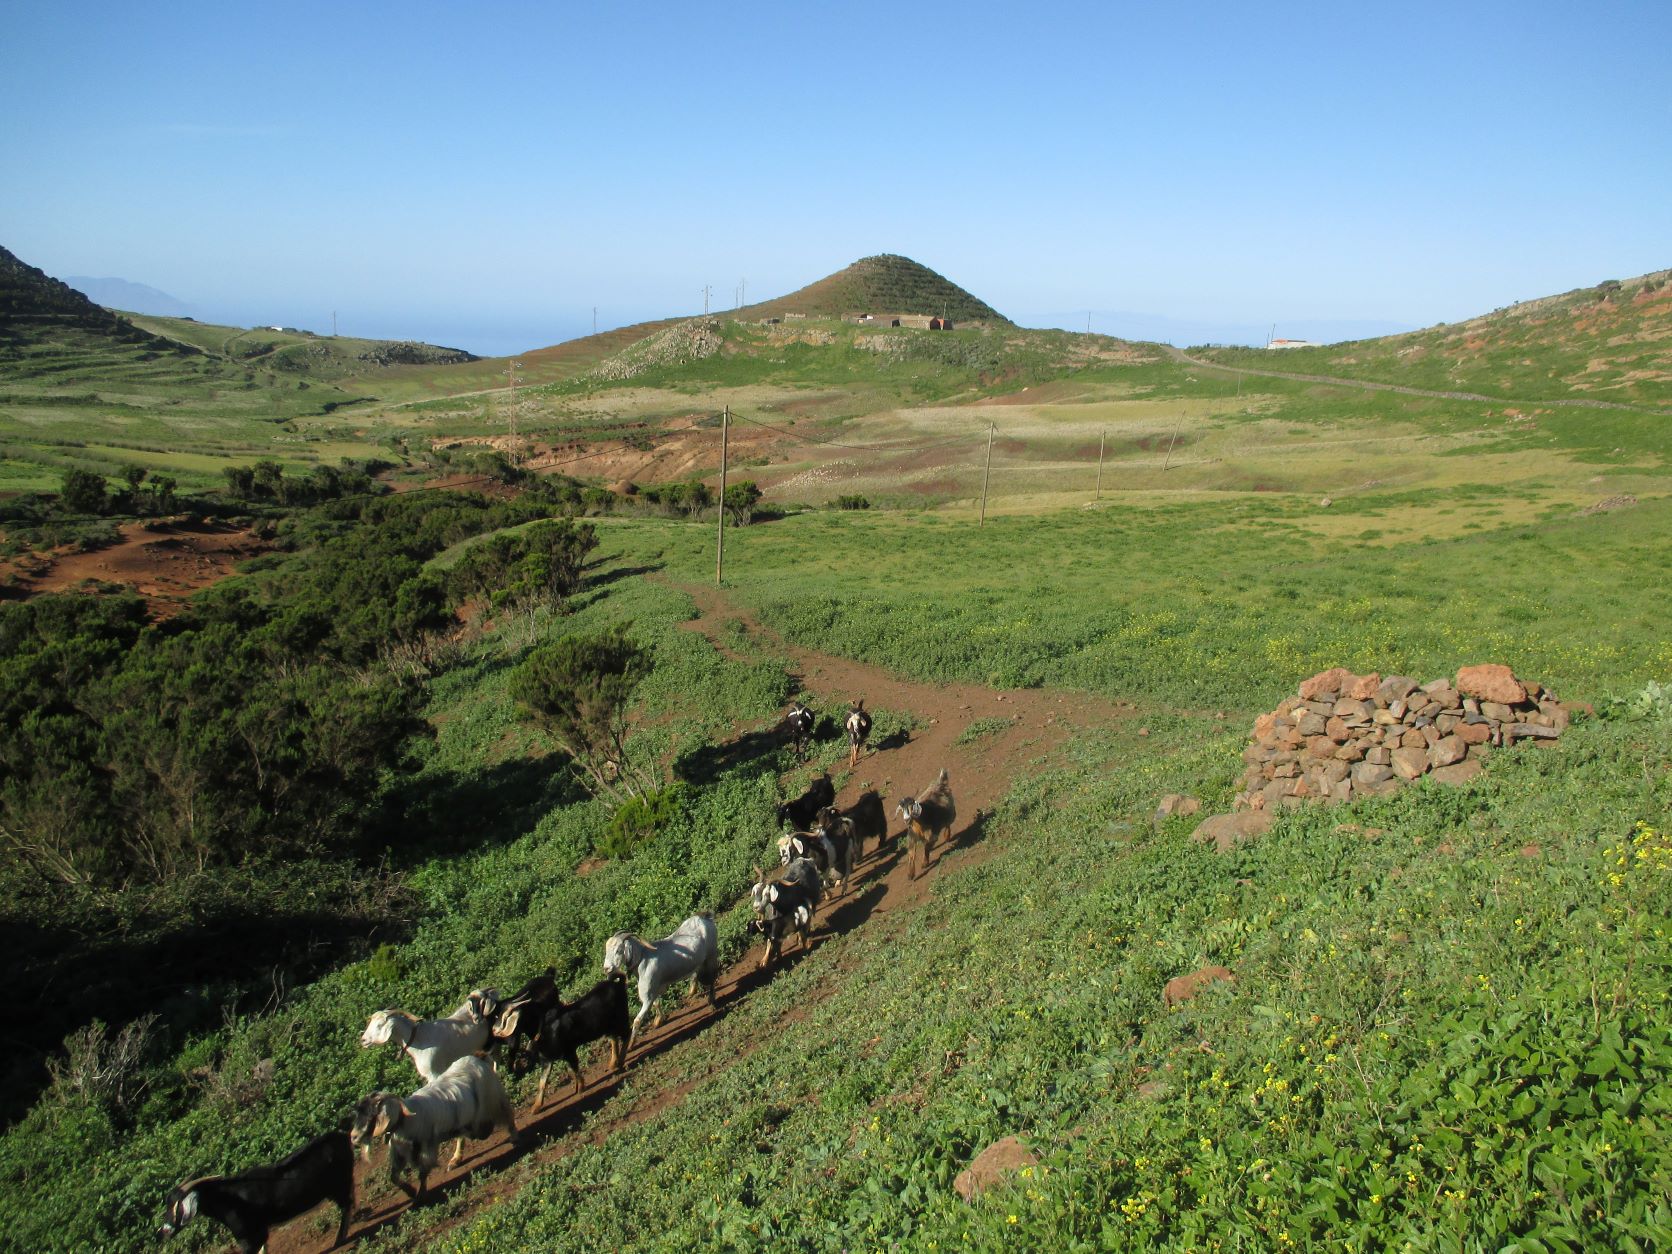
1226	831
1491	683
1183	988
1458	773
992	1165
1176	803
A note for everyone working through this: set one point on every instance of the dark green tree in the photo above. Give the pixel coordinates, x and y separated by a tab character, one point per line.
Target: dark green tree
84	492
741	499
577	689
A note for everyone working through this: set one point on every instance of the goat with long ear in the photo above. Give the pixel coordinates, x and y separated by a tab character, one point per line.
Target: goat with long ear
250	1203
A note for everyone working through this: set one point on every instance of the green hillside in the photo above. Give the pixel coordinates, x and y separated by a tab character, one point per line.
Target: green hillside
82	386
1611	342
885	284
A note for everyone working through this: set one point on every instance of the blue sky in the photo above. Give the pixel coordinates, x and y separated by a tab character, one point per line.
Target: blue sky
485	174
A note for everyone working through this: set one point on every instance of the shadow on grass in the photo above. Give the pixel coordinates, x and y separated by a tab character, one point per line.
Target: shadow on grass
495	804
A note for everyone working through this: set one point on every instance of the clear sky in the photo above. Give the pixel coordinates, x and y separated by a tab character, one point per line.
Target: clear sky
484	174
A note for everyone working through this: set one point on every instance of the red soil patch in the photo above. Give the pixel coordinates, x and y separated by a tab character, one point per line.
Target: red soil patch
165	562
981	774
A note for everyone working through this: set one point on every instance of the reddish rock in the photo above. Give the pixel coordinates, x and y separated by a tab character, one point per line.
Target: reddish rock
1265	728
1530	851
1395	687
1459	773
1361	687
1410	763
1413	739
1184	987
1176	803
1475	733
1447	750
1366	774
1336	730
1497	712
1352	751
1491	683
1311	724
1325	683
1322	746
991	1165
1226	831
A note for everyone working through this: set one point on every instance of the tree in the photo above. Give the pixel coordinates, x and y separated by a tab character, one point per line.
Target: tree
84	492
162	493
240	481
741	499
577	690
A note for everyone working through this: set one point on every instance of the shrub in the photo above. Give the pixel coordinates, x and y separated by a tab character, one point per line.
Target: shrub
639	819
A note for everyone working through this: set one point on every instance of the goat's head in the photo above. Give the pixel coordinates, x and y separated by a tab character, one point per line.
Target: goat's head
908	809
484	1004
382	1027
505	1023
376	1116
788	848
181	1207
620	955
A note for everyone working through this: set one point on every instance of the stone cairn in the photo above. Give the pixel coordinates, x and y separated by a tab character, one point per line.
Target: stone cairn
1347	735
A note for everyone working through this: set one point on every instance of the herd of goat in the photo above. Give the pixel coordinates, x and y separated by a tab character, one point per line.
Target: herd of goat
463	1097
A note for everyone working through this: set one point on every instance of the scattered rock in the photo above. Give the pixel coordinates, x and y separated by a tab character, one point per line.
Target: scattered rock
1176	803
1226	831
991	1165
1457	773
1182	988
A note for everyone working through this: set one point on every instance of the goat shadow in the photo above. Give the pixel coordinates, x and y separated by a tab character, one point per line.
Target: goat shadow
706	763
595	587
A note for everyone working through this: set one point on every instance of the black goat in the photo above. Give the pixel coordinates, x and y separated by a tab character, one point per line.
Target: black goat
798	728
600	1013
250	1203
831	855
858	727
863	820
928	816
785	904
517	1019
798	815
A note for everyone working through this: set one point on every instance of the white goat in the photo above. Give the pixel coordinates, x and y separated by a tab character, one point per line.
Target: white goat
436	1044
692	949
466	1100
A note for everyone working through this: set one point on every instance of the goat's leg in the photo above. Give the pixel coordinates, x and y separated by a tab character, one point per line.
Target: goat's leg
577	1082
540	1094
458	1153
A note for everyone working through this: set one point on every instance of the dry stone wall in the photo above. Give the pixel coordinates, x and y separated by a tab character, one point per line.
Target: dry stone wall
1344	735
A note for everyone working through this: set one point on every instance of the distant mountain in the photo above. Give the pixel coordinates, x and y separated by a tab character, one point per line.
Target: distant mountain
33	304
131	297
885	284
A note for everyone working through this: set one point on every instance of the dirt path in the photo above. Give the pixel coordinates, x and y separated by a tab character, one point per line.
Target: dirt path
1572	402
982	771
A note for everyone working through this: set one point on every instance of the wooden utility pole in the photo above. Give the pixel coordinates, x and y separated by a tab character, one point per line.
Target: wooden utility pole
511	374
720	545
1172	442
1101	437
987	474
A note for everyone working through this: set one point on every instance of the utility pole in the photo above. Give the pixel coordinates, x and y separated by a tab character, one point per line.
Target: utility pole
706	289
595	320
743	287
511	374
1101	437
987	474
333	324
1172	442
1088	322
720	544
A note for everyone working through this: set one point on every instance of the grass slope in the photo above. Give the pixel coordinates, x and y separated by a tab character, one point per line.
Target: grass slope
1612	342
1431	1038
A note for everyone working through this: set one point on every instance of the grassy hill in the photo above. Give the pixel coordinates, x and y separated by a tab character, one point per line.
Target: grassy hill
1611	342
82	386
881	284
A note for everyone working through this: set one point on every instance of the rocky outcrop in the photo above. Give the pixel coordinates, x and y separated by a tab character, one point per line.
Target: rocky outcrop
1345	735
684	342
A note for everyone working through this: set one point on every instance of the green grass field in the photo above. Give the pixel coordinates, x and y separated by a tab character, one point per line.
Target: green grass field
1450	1025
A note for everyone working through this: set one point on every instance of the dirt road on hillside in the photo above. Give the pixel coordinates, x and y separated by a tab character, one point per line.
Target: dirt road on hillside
981	770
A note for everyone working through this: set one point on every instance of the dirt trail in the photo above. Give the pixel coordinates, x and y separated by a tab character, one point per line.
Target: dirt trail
981	771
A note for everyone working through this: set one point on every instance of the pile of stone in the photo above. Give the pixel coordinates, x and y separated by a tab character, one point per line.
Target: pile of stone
1347	735
692	340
